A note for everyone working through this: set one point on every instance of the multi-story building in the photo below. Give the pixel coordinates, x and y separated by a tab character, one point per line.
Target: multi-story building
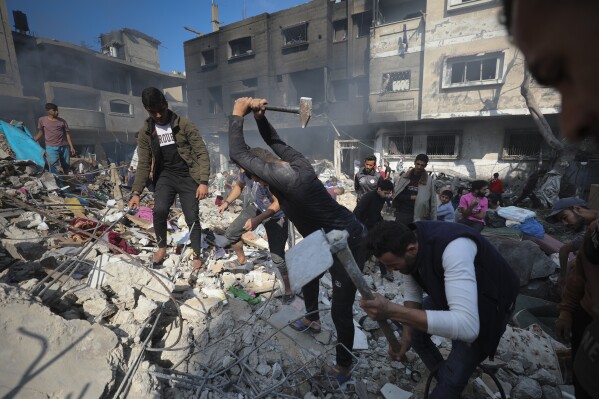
97	93
318	50
393	77
13	104
445	80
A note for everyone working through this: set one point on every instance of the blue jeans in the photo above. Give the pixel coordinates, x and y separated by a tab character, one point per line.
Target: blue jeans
453	373
59	155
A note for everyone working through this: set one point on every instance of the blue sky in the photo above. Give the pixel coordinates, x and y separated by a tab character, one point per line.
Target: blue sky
82	21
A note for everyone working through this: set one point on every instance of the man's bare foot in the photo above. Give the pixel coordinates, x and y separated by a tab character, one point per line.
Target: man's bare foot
197	264
159	256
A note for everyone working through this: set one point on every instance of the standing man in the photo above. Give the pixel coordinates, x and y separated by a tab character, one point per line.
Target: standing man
415	198
309	207
57	136
366	179
264	209
181	166
368	211
580	294
474	205
569	67
471	295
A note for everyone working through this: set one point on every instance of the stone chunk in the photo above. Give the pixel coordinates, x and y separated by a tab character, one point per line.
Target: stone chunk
71	357
527	388
25	250
390	391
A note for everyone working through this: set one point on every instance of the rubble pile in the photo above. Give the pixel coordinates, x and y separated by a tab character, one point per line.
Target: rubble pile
85	314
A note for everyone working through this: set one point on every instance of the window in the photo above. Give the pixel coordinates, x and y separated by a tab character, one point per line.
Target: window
215	103
458	4
400	145
395	82
2	67
473	71
295	35
525	144
442	145
208	58
240	47
120	107
252	82
340	30
362	87
340	91
362	23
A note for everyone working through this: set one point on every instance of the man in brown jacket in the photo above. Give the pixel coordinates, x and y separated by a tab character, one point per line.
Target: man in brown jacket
181	166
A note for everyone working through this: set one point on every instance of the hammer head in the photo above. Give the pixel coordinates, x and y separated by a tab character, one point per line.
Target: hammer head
308	259
305	110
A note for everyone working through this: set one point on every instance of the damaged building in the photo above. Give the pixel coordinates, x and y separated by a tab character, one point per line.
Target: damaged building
98	93
396	78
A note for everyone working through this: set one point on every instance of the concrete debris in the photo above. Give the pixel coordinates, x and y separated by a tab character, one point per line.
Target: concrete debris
45	355
99	320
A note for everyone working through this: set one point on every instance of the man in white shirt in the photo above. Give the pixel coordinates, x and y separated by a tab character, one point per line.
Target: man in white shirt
471	294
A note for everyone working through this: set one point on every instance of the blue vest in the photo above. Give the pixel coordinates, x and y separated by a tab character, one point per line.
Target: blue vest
496	282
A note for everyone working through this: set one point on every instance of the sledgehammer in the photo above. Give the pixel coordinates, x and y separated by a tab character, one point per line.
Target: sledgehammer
314	256
304	110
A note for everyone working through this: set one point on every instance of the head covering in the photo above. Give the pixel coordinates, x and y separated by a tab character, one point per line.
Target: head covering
563	204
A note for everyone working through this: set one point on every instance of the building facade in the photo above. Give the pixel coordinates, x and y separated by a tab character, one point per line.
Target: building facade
13	104
98	94
446	81
318	50
393	77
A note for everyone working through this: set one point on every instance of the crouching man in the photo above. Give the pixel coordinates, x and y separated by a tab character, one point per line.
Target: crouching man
471	294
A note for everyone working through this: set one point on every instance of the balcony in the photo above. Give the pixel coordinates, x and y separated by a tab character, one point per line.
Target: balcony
83	118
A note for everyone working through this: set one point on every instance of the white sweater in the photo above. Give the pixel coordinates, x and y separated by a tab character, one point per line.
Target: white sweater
461	321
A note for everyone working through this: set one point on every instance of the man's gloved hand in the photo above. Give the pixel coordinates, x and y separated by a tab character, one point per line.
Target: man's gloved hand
591	244
563	328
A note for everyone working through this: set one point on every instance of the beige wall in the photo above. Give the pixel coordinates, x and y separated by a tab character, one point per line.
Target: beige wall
471	31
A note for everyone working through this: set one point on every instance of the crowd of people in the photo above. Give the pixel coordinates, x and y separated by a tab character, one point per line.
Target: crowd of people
435	238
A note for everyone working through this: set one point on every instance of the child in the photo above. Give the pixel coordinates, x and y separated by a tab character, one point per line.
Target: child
445	211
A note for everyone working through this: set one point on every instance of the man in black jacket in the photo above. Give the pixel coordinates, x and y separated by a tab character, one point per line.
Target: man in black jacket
307	204
367	178
173	145
471	295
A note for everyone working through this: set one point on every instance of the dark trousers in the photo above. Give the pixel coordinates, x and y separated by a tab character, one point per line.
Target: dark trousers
478	226
453	373
580	321
277	231
344	294
167	188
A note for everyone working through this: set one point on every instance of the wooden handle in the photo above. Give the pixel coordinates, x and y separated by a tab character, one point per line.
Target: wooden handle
349	263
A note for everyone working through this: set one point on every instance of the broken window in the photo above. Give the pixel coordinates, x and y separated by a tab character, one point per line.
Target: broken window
252	82
524	144
240	47
295	35
2	67
120	107
208	58
340	91
395	82
442	145
362	23
455	4
215	104
340	30
400	145
473	70
362	87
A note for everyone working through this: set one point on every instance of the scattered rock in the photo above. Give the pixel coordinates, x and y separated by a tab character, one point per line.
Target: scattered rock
527	388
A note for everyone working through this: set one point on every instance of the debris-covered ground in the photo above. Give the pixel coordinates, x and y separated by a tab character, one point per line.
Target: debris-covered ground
85	315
